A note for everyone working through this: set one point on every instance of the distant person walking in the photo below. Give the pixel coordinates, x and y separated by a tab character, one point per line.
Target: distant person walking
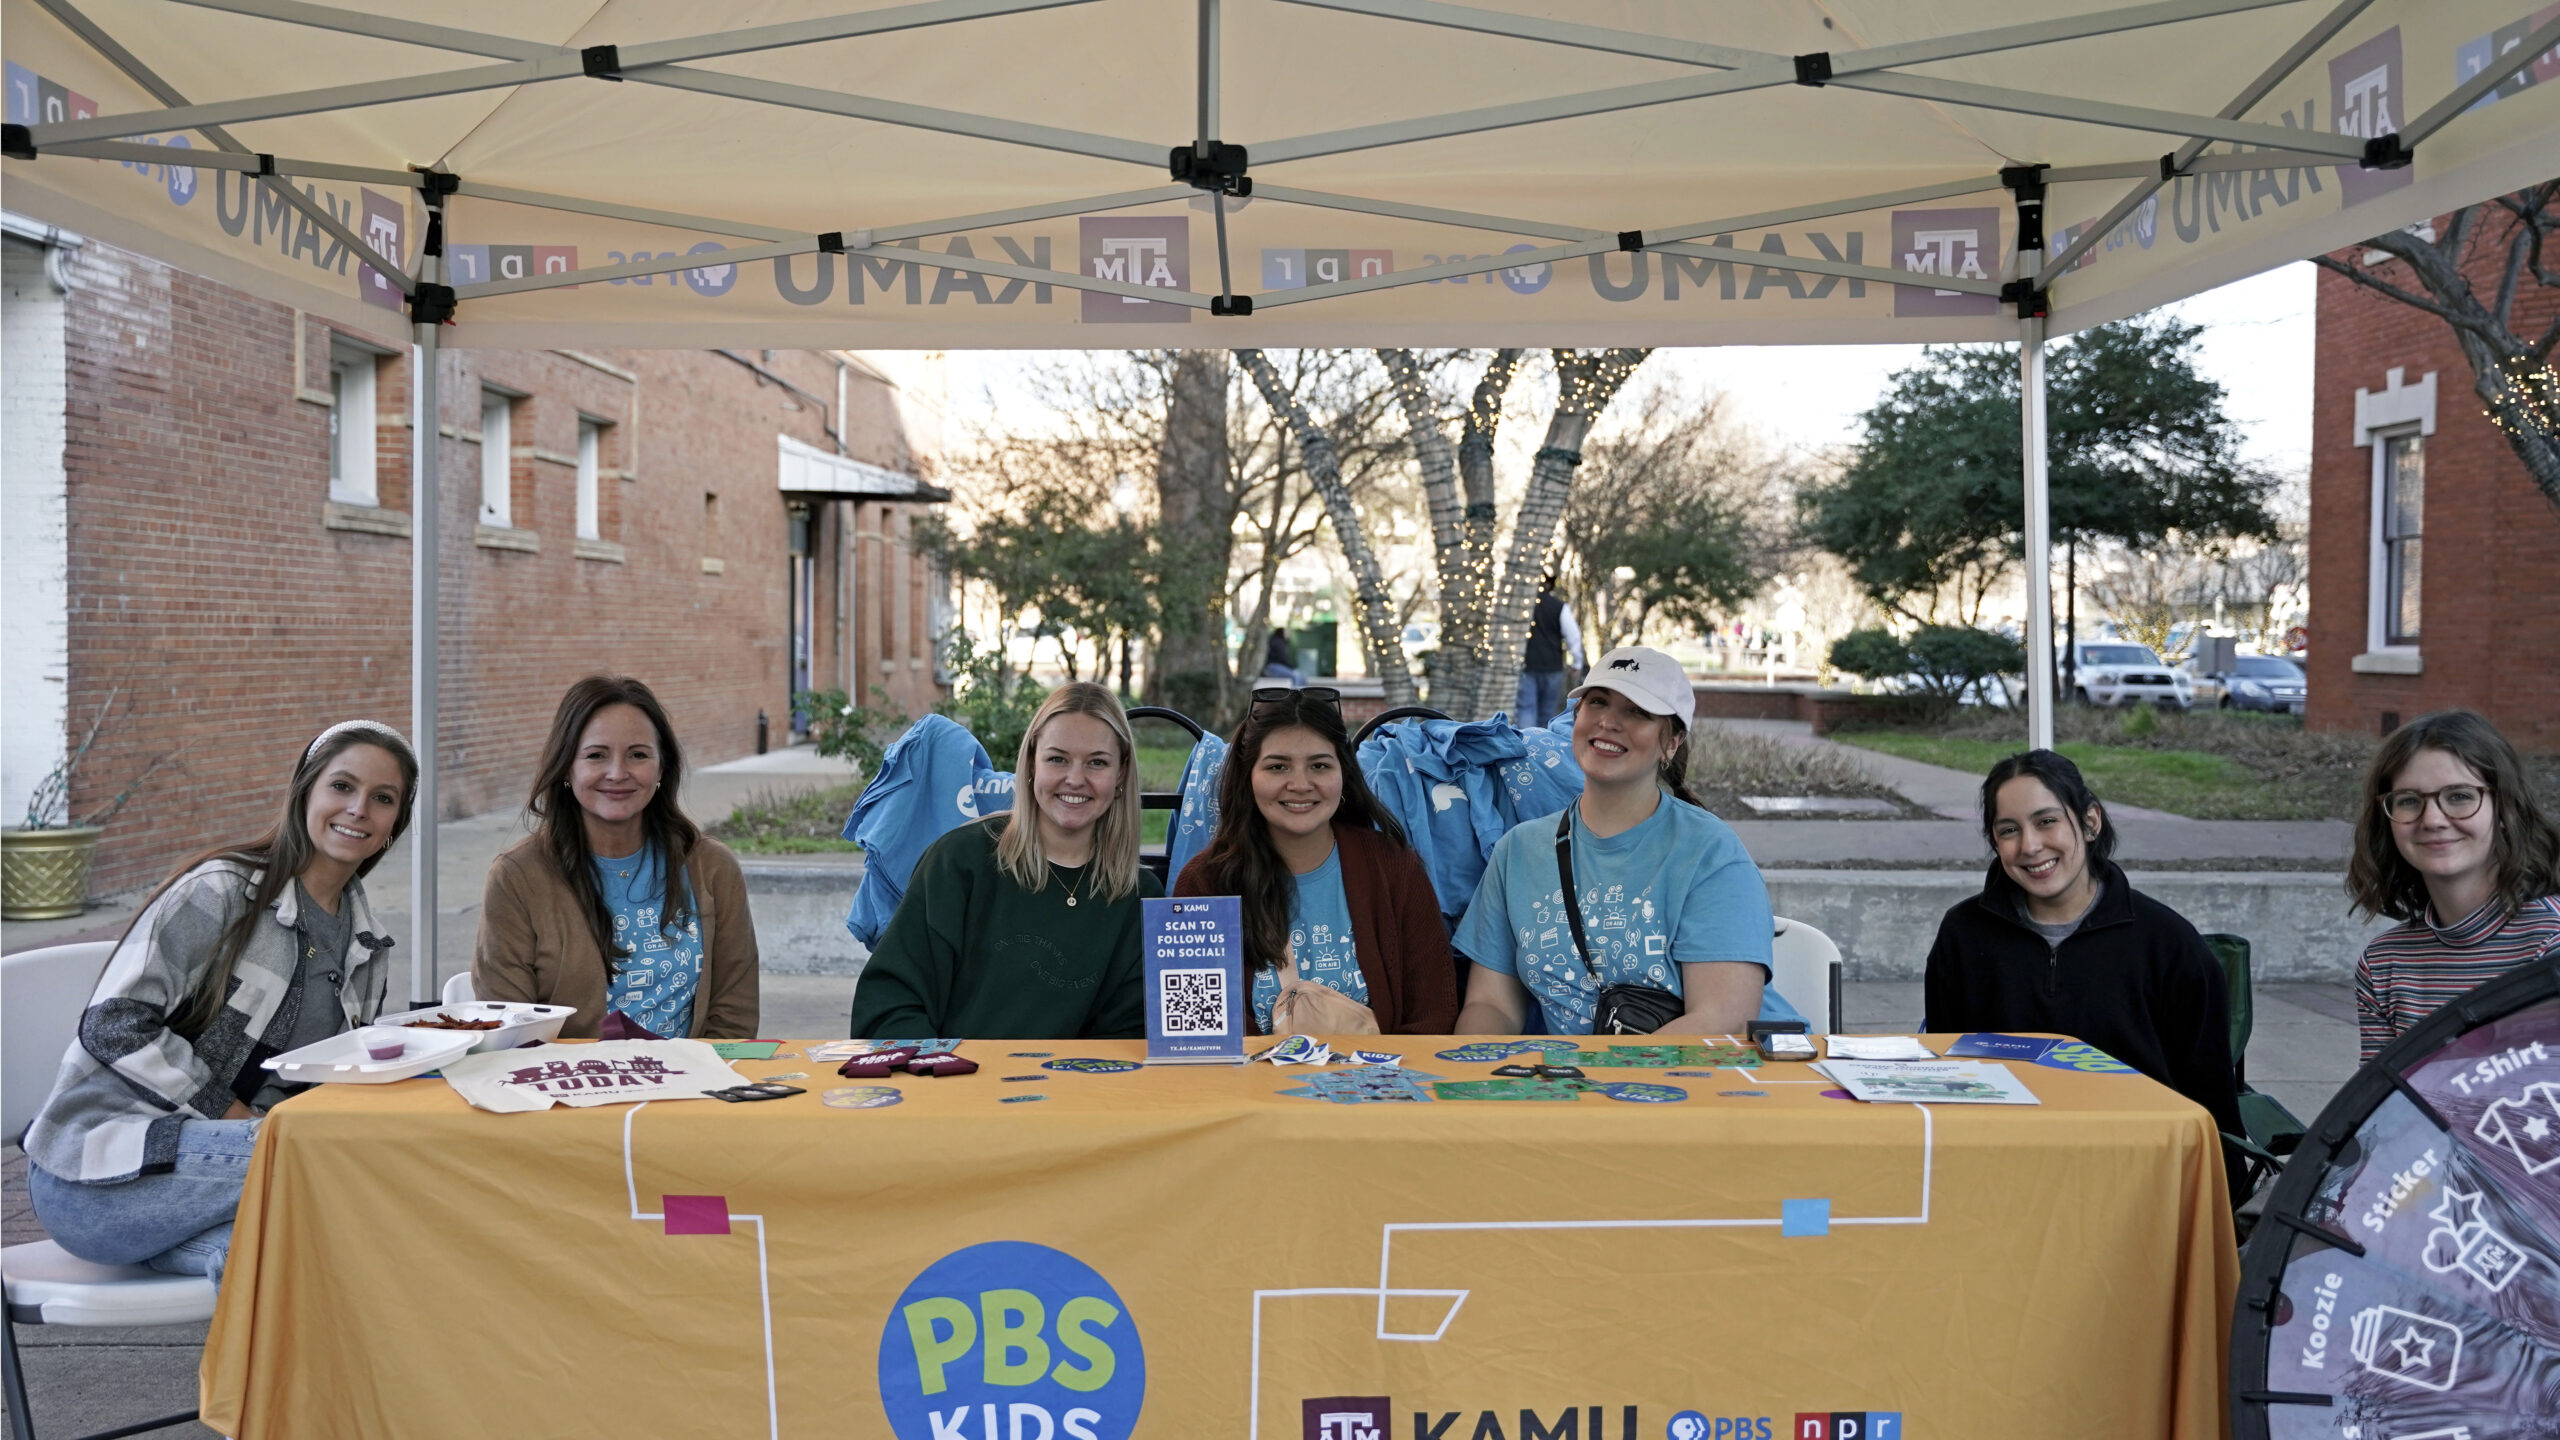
1280	660
1554	639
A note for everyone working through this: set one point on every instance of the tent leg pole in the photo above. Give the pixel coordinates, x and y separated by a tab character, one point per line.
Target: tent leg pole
2039	531
426	509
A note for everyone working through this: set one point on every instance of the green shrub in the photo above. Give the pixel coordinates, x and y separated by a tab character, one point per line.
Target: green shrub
988	699
844	730
1951	659
1871	654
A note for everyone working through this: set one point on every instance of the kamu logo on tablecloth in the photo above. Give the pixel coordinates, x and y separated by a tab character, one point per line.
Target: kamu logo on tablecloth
1011	1341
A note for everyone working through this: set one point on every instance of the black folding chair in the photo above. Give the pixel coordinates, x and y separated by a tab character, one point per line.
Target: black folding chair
2273	1132
1159	859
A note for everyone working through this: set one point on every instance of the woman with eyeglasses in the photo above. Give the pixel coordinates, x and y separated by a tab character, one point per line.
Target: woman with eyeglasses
1025	926
2059	942
1342	932
2451	843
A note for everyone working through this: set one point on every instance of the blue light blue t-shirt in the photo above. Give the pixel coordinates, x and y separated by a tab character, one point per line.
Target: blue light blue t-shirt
655	985
1677	889
1320	933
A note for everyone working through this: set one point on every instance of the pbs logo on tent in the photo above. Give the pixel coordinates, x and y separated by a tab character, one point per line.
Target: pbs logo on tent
711	280
1527	279
1011	1341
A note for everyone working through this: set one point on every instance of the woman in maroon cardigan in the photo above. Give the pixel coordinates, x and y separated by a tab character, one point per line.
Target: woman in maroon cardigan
1339	915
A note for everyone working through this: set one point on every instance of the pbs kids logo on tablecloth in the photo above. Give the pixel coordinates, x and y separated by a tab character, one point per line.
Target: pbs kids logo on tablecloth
1011	1341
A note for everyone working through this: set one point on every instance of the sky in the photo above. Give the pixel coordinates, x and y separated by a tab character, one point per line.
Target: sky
2257	342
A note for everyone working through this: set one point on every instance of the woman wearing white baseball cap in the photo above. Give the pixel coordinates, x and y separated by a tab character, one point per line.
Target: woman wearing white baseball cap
1634	910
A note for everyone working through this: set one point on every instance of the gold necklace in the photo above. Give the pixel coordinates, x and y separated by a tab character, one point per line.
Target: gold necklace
1080	879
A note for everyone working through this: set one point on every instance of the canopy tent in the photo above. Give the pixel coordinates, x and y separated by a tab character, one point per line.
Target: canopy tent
1085	173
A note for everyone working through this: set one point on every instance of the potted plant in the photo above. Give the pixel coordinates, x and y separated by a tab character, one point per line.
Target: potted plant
44	864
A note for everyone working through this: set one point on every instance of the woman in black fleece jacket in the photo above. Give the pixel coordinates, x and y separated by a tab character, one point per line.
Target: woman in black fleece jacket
2058	942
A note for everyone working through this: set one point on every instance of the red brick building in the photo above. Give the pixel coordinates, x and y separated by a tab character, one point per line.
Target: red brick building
2435	562
209	511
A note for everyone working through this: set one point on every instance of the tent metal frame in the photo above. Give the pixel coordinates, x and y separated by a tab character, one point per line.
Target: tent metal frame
1209	163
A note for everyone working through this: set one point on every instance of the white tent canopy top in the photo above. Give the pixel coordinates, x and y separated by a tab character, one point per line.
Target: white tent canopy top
1083	173
1087	173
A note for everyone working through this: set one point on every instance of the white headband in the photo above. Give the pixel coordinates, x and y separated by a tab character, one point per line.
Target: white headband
372	727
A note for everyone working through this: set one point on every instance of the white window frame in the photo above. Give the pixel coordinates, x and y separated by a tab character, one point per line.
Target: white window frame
497	459
2378	623
590	454
2401	408
354	377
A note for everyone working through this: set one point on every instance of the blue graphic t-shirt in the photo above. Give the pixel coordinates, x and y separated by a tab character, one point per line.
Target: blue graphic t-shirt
1677	889
656	983
1320	933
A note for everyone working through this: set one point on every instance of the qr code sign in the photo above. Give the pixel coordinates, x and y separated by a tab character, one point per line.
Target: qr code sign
1195	1002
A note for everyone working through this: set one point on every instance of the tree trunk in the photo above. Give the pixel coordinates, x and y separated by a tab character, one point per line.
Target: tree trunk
1382	644
1463	629
1196	503
1438	462
1585	383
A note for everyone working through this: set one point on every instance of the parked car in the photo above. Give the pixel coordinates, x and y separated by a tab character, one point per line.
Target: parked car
2256	682
2117	673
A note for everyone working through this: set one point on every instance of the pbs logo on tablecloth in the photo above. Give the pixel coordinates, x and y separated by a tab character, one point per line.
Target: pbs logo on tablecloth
1011	1341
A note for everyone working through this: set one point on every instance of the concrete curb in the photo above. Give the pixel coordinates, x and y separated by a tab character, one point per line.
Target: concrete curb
800	904
1884	921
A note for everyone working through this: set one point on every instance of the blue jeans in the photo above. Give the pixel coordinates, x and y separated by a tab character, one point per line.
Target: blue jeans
178	1221
1541	697
1277	671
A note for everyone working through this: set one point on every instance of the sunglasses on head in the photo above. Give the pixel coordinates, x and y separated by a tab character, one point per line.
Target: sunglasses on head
1285	697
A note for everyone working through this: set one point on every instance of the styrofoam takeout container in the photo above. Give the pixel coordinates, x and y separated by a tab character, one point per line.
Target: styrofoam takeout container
341	1059
522	1023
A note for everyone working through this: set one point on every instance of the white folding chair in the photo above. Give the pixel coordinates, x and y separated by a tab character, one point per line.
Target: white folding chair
458	991
42	993
1805	968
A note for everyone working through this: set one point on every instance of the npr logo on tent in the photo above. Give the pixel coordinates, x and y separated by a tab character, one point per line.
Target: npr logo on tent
1298	269
1151	250
1945	242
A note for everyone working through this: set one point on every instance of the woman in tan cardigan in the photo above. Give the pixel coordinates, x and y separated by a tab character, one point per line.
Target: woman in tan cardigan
616	902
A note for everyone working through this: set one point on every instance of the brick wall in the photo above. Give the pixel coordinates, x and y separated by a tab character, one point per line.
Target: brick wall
2490	572
235	611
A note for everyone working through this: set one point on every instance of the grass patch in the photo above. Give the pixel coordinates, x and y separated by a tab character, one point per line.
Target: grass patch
2205	764
1725	765
798	822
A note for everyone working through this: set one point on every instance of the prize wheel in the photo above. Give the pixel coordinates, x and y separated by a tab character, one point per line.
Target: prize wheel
2405	1281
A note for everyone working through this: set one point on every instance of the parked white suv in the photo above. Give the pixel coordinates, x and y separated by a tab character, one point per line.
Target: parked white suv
2115	673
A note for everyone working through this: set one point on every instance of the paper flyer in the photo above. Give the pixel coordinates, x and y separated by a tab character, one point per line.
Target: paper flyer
1195	980
1930	1082
1991	1045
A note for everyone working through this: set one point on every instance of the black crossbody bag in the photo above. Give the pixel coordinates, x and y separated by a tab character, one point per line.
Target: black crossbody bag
1621	1009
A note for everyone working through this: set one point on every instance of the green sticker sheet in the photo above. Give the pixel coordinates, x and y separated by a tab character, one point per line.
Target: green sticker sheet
1509	1090
1664	1057
746	1049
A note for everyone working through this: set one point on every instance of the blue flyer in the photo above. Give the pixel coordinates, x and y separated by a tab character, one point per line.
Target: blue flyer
1990	1045
1195	980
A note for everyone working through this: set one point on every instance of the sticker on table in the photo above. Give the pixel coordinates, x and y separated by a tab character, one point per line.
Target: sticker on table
1366	1085
746	1049
1642	1094
1032	1054
847	1049
862	1097
1567	1090
1082	1066
1657	1057
2088	1059
1018	1079
785	1075
1490	1052
1744	1094
1023	1099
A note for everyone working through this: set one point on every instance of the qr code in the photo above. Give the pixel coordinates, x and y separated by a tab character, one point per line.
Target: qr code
1195	1002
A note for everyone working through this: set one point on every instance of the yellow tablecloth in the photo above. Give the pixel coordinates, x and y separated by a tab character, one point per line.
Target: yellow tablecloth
405	1265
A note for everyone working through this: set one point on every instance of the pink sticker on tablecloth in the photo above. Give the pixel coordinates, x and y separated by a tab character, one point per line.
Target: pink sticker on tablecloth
1835	1095
696	1214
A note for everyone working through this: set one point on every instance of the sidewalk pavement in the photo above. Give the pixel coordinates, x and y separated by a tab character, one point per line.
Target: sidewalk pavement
83	1380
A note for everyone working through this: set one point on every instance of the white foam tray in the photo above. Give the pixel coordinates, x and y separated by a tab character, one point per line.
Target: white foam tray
341	1059
524	1022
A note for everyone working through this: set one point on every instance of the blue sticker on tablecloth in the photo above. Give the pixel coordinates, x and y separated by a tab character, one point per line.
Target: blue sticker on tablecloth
1488	1052
1365	1085
1022	1099
1642	1094
1092	1067
2087	1059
